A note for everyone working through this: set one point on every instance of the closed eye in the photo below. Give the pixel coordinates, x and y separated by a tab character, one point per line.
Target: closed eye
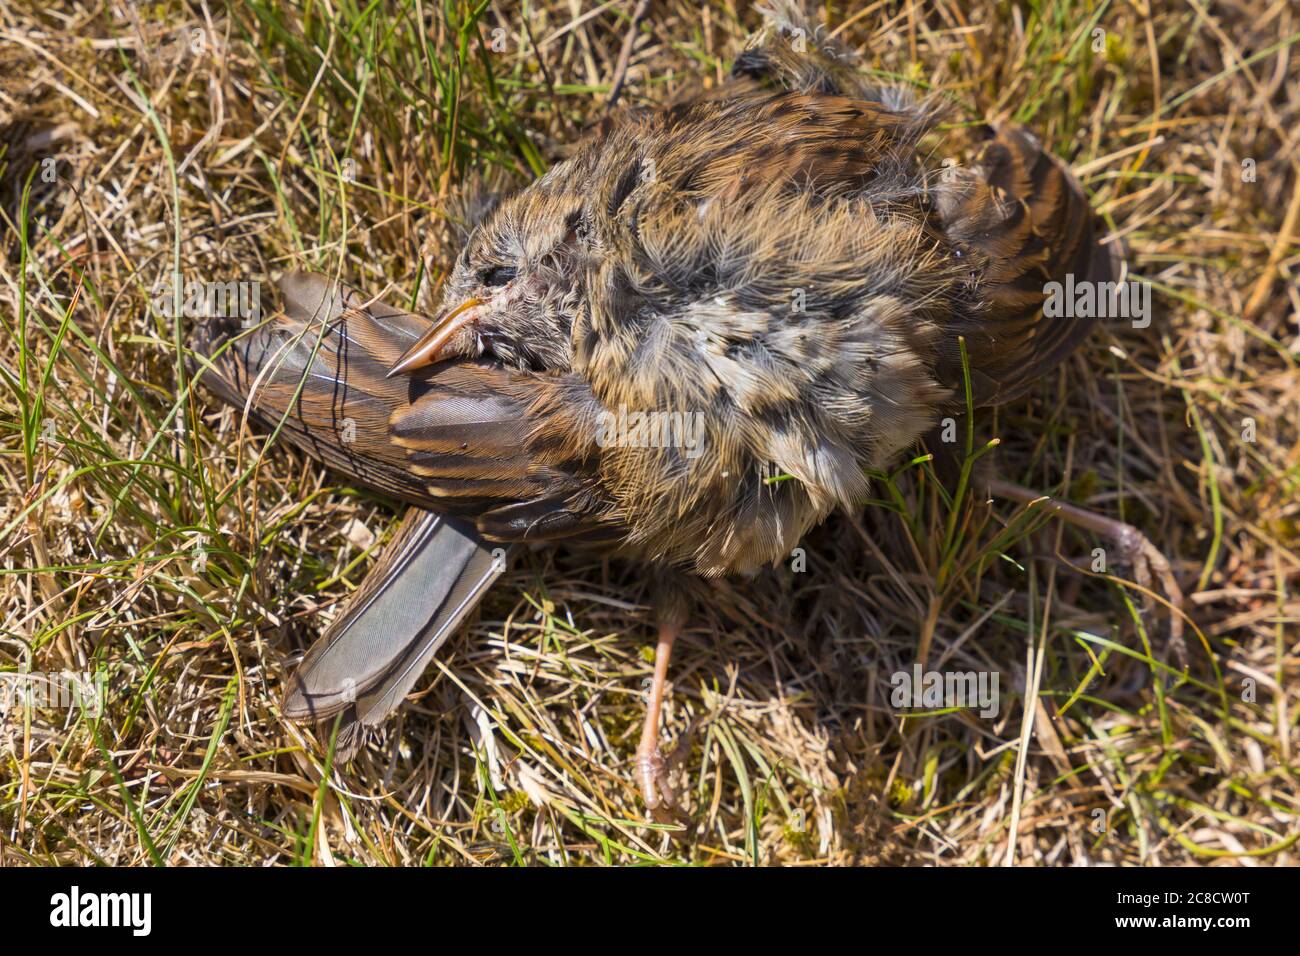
497	275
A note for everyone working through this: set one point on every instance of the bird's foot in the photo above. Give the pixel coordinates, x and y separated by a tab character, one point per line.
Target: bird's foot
1151	571
652	770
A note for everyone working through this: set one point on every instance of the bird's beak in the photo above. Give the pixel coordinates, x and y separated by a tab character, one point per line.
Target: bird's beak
426	349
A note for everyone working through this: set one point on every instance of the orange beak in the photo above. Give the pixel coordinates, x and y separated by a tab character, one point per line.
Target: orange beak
427	347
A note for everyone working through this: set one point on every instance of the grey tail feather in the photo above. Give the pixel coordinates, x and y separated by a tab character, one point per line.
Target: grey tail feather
430	576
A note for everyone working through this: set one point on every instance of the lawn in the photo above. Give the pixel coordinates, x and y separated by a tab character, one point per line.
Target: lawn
157	541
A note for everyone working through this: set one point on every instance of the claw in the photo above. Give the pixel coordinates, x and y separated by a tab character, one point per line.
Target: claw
652	775
1151	567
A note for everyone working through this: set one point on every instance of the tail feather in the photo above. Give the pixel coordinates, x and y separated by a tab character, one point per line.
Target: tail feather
430	577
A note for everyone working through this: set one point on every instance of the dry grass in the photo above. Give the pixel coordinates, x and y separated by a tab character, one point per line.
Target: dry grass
229	158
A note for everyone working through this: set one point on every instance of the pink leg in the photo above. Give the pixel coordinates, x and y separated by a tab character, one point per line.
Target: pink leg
1134	547
651	768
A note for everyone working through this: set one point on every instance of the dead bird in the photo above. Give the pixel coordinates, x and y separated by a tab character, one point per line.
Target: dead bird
770	280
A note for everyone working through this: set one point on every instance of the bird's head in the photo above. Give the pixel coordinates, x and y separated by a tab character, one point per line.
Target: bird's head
518	286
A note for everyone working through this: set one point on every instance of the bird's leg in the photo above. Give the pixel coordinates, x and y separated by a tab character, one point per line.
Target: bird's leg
1135	548
651	767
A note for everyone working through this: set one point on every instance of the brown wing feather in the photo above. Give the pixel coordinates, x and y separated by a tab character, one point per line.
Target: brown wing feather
1021	217
515	450
460	438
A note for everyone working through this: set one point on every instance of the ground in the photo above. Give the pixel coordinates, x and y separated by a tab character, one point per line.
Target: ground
150	537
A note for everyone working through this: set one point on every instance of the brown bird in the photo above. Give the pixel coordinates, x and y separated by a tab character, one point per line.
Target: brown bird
767	281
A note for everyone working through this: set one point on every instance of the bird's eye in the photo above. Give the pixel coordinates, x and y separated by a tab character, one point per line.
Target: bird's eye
497	275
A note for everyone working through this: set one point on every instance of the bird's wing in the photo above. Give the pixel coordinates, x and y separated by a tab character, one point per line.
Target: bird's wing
744	142
1023	221
506	450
